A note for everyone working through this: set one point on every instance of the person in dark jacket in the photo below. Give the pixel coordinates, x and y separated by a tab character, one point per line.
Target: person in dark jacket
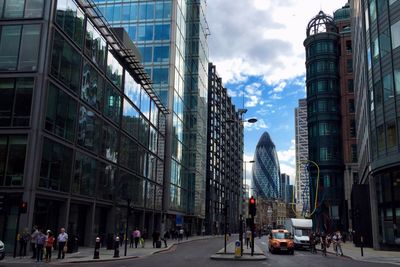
156	237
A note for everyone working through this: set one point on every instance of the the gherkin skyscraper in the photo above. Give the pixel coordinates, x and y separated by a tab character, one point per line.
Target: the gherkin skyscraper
266	171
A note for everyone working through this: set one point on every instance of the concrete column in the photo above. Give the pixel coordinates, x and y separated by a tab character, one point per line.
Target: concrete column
374	212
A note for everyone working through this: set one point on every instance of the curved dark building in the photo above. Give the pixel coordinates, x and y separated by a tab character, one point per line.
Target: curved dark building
266	172
324	123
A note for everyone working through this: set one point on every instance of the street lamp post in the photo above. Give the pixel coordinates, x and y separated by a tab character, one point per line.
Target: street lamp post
241	216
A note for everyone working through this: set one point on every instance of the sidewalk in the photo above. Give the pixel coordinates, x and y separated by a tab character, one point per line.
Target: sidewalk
85	254
370	255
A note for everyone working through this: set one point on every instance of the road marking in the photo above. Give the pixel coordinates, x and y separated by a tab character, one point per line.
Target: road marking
264	243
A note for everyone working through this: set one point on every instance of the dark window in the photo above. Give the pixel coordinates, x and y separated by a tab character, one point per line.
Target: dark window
391	134
130	119
129	153
388	90
353	153
350	85
61	113
107	176
12	159
89	129
92	86
15	101
70	19
352	107
66	63
144	131
112	103
55	170
84	181
353	128
349	66
9	47
348	46
14	9
381	138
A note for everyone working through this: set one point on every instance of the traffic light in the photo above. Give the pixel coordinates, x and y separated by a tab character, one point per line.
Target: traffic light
23	207
2	203
252	206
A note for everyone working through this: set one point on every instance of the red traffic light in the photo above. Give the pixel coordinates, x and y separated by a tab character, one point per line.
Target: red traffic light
23	207
252	201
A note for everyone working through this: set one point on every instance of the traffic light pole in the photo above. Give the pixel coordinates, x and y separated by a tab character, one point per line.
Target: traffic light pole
16	233
252	235
128	206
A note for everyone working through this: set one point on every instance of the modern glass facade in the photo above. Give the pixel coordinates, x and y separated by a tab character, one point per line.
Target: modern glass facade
224	159
171	37
94	137
266	171
376	66
325	155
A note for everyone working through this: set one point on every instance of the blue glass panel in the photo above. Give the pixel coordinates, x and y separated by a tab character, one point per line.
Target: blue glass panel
147	53
132	32
125	12
150	11
159	8
142	11
109	13
117	13
167	10
134	11
160	75
162	32
161	53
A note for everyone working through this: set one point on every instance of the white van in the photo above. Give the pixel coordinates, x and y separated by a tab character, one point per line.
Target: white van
300	230
2	250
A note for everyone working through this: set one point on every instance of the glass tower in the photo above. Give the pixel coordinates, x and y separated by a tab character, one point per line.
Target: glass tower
172	38
266	171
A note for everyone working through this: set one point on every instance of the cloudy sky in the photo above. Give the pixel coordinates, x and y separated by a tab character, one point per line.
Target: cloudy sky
257	46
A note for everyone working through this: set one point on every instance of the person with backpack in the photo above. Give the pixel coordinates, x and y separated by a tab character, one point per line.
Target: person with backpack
40	242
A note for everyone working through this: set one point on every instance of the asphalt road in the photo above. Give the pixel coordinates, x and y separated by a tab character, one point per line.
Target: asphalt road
197	254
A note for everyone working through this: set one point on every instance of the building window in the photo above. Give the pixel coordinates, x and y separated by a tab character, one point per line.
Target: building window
372	10
352	107
348	46
112	103
349	66
397	81
107	176
92	86
114	70
95	46
384	40
56	165
12	159
66	63
61	113
395	30
15	101
18	9
84	182
378	93
132	89
381	138
353	151
70	18
89	130
19	47
353	128
129	153
391	134
375	50
109	143
130	119
162	32
387	87
350	85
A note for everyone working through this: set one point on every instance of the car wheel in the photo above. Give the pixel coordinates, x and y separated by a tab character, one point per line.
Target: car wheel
2	256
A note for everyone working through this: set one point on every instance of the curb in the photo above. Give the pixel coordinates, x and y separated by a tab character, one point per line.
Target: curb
232	258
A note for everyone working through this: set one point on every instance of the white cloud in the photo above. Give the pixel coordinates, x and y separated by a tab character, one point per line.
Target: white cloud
232	93
279	88
261	37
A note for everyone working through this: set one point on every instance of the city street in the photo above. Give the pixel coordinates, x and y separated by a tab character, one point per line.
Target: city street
197	254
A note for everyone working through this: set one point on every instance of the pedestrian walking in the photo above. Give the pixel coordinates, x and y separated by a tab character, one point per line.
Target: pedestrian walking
156	237
323	243
180	235
312	243
40	242
131	240
34	234
62	240
24	237
165	237
248	236
49	245
136	236
338	239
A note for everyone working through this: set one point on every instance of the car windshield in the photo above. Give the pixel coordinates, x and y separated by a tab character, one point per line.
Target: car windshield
281	235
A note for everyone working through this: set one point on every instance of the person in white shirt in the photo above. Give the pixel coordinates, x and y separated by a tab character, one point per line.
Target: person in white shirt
62	240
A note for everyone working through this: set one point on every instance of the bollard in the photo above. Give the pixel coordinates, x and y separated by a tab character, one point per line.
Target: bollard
116	247
237	249
97	249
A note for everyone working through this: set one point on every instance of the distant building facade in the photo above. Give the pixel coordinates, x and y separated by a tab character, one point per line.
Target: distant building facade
266	171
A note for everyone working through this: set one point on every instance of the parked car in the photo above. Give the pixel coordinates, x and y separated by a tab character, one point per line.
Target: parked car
2	250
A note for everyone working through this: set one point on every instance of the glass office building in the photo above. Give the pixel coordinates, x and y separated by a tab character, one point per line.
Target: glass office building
266	170
171	36
81	129
377	80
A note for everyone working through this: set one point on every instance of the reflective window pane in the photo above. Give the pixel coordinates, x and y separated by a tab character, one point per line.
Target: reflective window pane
109	143
395	29
66	63
34	8
14	9
95	46
89	129
92	86
84	181
61	113
162	32
161	53
107	174
12	159
55	170
114	70
9	47
129	153
112	103
132	89
130	119
70	18
29	48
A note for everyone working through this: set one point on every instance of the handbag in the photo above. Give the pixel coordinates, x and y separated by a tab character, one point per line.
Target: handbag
65	248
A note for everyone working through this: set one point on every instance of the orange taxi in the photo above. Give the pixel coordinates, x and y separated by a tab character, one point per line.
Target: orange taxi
280	240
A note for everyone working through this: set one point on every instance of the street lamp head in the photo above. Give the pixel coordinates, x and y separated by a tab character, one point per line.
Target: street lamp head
252	120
